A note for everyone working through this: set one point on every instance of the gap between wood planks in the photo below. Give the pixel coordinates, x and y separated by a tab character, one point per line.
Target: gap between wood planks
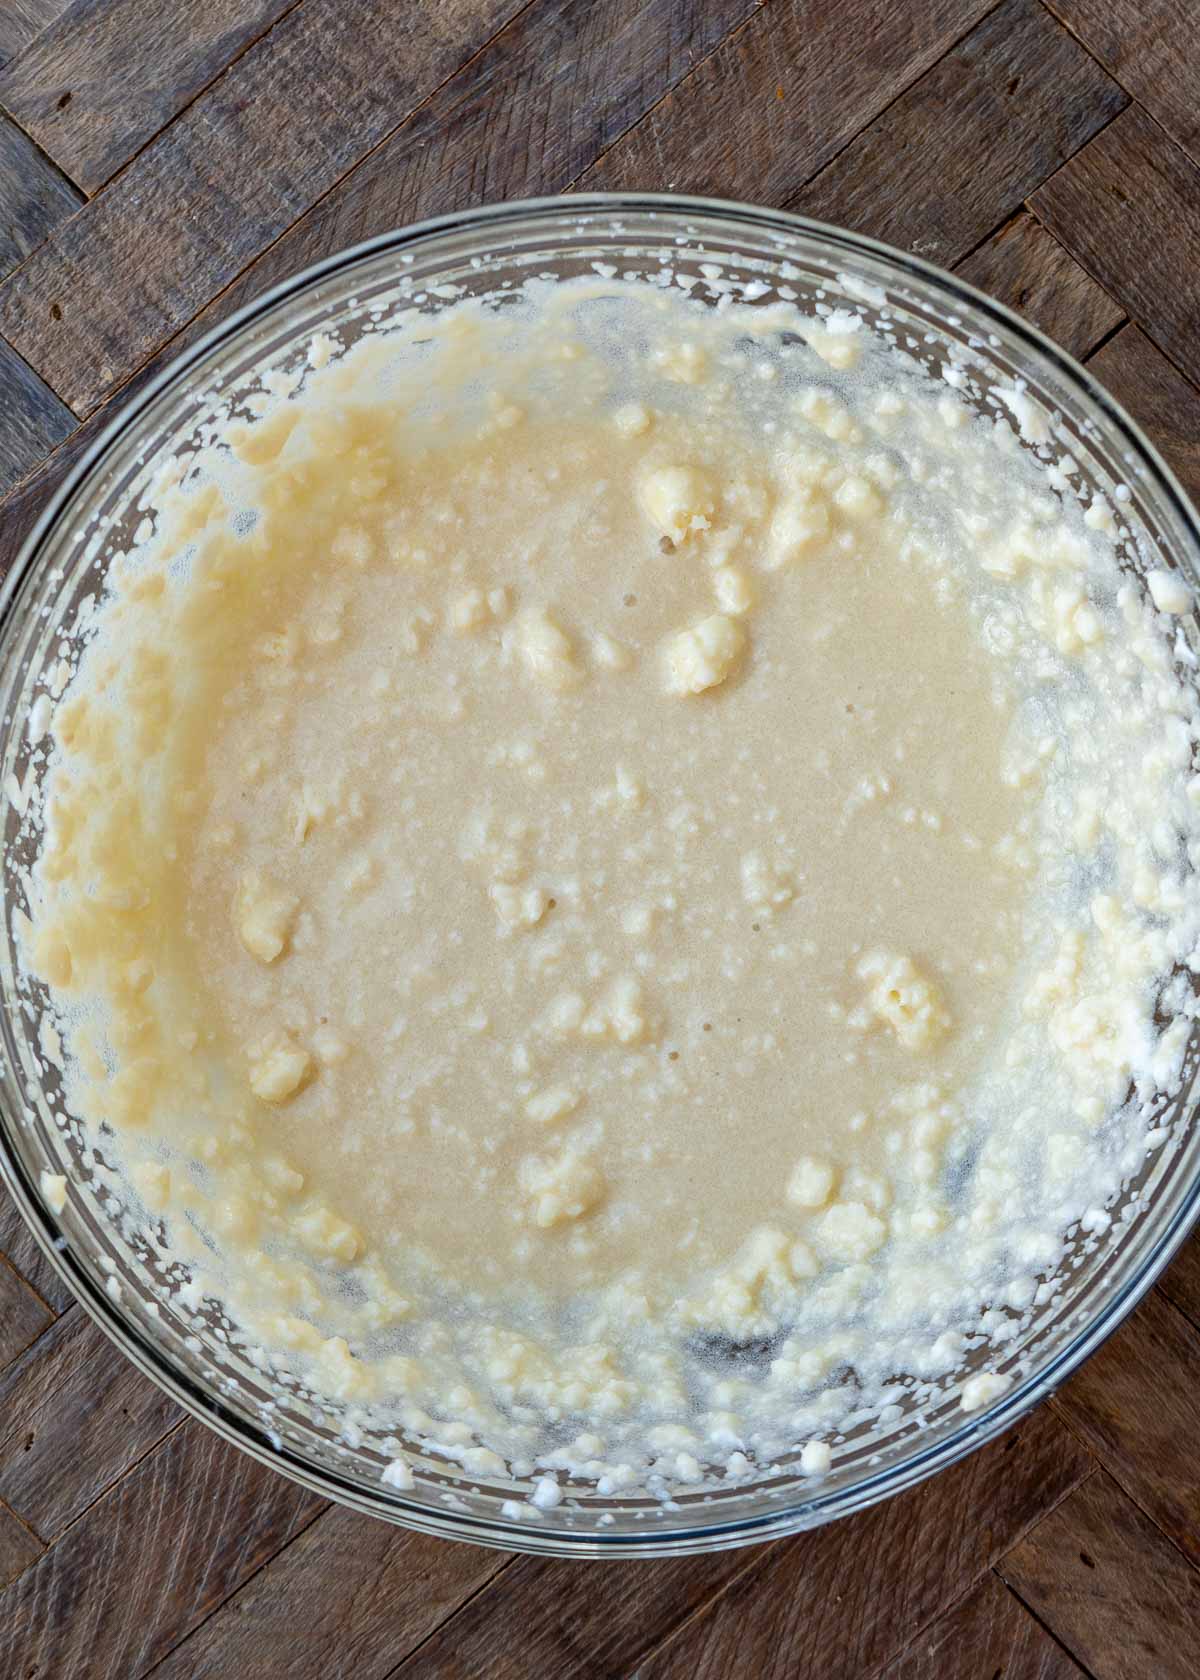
1162	342
760	1560
1045	1626
1112	1467
53	162
317	1516
1107	337
148	140
18	1518
1152	38
667	93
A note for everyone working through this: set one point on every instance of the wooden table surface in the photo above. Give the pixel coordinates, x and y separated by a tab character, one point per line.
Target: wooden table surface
161	162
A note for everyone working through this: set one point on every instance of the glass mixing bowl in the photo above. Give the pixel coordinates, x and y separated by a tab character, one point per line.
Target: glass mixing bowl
123	1278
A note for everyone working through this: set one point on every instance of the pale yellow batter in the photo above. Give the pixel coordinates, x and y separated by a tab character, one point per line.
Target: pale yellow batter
555	953
585	867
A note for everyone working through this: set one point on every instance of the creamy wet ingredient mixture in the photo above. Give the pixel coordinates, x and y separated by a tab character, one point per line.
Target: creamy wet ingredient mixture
599	837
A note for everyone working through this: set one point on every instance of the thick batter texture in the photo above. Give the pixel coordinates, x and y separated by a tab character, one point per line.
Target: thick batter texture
613	837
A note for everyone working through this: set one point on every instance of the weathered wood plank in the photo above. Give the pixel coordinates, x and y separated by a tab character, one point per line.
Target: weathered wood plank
990	1634
961	149
1150	47
567	76
16	1244
1128	208
1158	397
248	157
18	1547
74	1415
1103	1579
1134	1403
107	75
34	420
34	197
21	21
833	1602
575	76
571	1622
350	1596
781	97
22	1316
1026	268
147	1564
19	512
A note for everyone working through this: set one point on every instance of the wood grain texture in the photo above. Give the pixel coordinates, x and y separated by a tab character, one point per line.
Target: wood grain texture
504	127
34	419
19	1547
1128	208
781	97
1026	268
19	513
35	197
1160	399
16	1243
843	1601
1134	1404
291	1621
1104	1580
988	1636
22	21
224	180
1150	47
98	1605
576	1623
962	148
74	1415
22	1316
107	75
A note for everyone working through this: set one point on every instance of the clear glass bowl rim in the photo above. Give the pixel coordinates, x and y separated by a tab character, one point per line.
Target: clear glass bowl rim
782	1518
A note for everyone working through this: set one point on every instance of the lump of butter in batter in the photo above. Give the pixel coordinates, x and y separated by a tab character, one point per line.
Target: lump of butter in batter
850	1231
811	1182
705	655
678	501
545	649
904	999
279	1066
560	1188
734	589
620	1014
264	914
552	1104
798	525
517	907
